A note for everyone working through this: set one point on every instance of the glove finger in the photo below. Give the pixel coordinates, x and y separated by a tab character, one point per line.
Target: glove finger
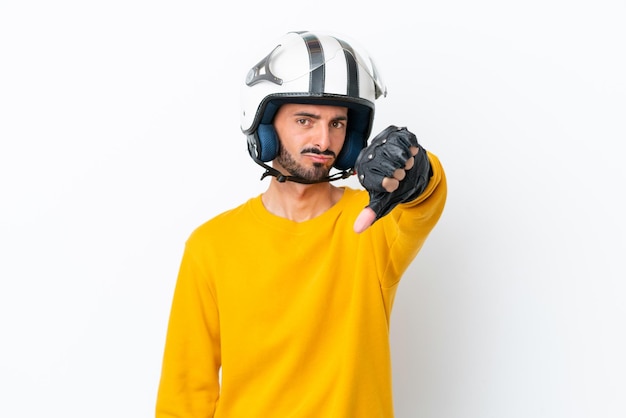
371	174
415	182
380	162
372	180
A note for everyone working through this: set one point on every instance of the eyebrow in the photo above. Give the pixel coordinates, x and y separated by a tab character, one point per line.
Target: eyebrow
314	116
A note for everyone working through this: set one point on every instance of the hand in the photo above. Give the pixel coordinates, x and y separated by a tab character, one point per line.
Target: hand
394	168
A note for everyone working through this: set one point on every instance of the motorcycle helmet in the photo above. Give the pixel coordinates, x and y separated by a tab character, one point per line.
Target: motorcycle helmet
311	68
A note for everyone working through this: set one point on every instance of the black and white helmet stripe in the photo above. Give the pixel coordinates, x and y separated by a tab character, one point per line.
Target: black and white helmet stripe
316	63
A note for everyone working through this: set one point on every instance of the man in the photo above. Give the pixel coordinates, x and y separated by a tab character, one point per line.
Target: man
282	305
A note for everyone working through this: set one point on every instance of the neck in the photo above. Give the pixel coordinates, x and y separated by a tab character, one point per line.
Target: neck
300	202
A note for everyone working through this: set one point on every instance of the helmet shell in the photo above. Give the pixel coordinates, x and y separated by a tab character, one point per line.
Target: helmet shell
311	68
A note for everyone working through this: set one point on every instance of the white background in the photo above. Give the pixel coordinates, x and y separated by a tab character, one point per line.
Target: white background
119	129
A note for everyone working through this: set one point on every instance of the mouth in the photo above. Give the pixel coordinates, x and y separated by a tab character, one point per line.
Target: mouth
318	156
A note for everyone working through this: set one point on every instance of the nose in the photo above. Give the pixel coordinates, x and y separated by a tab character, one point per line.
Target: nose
322	138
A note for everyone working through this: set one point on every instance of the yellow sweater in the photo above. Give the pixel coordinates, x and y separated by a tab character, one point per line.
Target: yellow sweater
296	315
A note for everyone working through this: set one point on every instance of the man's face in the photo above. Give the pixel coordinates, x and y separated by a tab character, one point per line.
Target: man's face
310	138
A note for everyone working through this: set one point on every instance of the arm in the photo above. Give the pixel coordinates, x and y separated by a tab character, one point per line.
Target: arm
189	386
420	215
398	236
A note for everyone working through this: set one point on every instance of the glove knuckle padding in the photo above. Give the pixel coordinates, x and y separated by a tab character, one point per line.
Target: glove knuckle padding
387	152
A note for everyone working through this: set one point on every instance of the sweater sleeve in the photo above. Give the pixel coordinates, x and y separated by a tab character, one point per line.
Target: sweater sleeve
189	385
405	229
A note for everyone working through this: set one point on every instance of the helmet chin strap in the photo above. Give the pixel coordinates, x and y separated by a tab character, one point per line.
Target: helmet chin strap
281	178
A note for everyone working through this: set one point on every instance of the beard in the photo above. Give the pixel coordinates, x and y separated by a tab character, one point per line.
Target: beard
317	172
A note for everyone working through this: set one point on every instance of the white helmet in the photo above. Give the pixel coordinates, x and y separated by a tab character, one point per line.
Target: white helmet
311	68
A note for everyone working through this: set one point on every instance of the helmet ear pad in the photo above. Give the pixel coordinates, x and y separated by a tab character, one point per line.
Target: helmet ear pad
267	140
264	141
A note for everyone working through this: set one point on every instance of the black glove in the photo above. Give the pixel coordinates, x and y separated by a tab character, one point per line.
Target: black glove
387	152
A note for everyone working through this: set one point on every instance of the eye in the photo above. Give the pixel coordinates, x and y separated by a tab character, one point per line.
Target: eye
338	124
302	121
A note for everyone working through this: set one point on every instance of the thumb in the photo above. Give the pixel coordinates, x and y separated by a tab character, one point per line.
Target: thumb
364	220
